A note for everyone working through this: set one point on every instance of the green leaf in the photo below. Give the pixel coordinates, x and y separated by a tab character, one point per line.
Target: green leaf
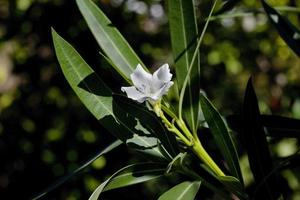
183	29
233	185
110	39
96	96
151	169
182	164
276	126
256	144
184	191
137	174
79	169
227	5
222	136
291	162
289	33
150	122
279	126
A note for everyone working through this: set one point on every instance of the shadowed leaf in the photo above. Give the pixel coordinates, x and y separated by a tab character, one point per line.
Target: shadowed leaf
234	185
289	33
276	126
222	136
257	146
227	5
291	162
150	122
183	165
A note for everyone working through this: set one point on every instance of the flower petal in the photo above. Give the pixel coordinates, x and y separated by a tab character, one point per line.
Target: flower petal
141	79
162	91
160	78
134	94
163	73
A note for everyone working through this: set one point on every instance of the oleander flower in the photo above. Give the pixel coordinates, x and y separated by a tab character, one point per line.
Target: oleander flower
147	86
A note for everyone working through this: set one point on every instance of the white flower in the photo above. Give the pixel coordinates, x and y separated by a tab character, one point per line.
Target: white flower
147	86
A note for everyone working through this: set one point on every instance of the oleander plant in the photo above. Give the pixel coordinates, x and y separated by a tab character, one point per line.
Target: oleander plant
165	115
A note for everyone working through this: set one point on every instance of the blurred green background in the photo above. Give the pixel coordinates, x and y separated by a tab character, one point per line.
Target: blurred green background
45	131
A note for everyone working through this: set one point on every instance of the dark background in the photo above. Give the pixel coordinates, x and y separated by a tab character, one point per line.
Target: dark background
45	131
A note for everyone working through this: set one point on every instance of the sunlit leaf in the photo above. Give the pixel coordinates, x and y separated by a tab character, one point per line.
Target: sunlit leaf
135	175
155	168
110	39
184	191
183	30
97	97
222	136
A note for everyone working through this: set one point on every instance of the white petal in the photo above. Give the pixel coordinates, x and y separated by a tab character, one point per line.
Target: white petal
162	91
141	79
156	85
160	78
163	73
134	94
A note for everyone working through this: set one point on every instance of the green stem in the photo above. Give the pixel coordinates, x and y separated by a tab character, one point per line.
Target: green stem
189	139
204	156
184	128
179	122
170	126
186	171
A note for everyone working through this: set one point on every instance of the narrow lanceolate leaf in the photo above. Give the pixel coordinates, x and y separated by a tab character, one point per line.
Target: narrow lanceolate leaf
149	122
91	90
257	146
275	126
137	174
110	39
183	29
181	164
184	191
222	136
279	126
79	169
289	162
97	97
227	6
234	186
289	33
142	170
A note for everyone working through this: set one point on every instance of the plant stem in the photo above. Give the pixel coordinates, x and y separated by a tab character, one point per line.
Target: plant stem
205	157
170	126
199	150
179	122
190	140
184	128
